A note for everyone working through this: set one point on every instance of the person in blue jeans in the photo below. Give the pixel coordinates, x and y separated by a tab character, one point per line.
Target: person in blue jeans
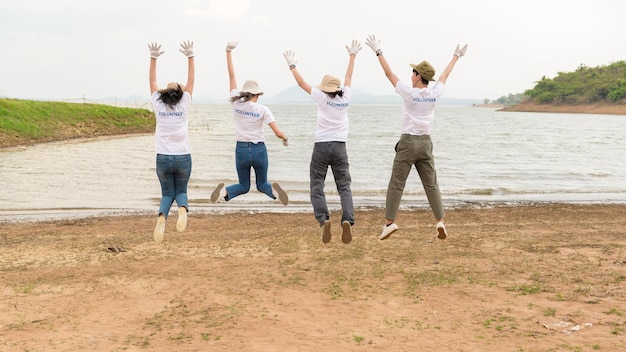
329	150
173	160
250	152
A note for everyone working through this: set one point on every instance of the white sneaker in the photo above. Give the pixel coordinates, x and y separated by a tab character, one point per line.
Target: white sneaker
441	231
159	230
219	193
279	194
388	230
346	234
181	224
326	231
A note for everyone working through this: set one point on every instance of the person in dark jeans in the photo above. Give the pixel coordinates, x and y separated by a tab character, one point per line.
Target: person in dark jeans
250	153
173	160
331	135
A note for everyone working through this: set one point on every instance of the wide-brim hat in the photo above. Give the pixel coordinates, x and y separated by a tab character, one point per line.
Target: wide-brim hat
330	84
425	69
251	87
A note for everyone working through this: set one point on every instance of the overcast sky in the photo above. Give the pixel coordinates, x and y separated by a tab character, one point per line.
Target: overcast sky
66	49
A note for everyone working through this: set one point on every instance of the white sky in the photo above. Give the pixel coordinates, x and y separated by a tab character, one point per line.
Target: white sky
66	49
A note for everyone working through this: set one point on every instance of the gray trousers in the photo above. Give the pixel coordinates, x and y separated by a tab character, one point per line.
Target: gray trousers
413	151
331	154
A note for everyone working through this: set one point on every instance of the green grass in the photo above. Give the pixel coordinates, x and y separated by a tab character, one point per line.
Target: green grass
28	121
549	312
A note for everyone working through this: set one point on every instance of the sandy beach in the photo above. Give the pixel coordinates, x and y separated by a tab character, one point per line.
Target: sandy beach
525	278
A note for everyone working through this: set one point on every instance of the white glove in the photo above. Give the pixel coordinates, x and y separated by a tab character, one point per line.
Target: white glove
290	56
154	50
187	49
460	51
286	142
231	45
373	43
354	49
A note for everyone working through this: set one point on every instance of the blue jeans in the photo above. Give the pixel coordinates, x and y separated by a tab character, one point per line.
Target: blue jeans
331	154
173	172
250	155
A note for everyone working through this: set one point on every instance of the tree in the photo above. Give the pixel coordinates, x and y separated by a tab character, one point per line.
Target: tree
583	86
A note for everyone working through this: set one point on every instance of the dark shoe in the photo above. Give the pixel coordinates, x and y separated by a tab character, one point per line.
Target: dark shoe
326	232
346	234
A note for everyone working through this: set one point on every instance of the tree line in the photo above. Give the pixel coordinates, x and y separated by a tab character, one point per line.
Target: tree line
585	85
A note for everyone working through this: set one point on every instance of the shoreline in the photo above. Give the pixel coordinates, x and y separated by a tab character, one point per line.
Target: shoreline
33	216
594	109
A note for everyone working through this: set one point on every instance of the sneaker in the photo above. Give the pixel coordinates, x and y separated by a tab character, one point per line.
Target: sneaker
388	230
326	231
159	230
219	193
181	224
346	234
441	231
279	194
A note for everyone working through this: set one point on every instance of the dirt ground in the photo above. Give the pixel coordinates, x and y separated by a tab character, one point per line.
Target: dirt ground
523	278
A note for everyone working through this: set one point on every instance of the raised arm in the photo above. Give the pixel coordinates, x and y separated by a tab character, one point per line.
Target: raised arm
291	61
155	52
187	50
374	44
458	52
229	63
352	50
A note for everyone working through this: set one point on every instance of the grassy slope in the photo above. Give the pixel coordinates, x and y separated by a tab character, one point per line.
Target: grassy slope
24	122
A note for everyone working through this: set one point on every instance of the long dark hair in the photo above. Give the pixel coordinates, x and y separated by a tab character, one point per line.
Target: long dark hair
242	95
337	93
172	96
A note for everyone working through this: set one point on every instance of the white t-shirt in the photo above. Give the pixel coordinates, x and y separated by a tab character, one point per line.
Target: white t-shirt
332	115
172	136
249	119
418	110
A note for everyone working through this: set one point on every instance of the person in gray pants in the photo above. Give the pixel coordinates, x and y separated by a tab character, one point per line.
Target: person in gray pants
331	135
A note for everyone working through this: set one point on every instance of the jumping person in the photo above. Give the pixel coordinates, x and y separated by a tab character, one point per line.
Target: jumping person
250	152
415	146
173	152
331	135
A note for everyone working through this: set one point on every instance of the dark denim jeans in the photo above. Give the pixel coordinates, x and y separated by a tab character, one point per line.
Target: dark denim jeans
331	154
248	156
173	172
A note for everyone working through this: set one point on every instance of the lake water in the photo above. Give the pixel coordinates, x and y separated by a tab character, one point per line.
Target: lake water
482	157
